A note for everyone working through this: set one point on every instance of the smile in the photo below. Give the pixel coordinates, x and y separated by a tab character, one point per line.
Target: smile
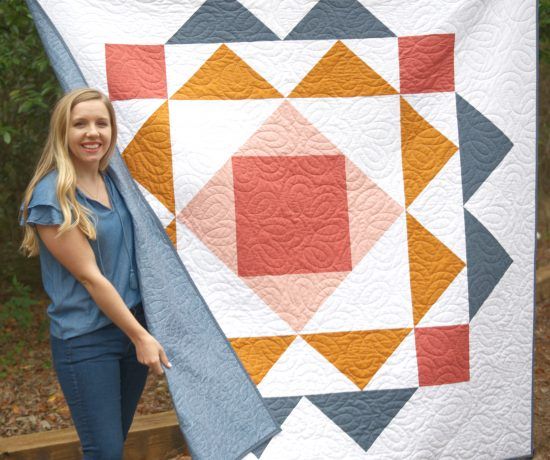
91	147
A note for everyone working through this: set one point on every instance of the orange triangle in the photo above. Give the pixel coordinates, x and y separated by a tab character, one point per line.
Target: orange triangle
358	354
226	76
433	267
425	151
341	73
149	157
171	231
259	354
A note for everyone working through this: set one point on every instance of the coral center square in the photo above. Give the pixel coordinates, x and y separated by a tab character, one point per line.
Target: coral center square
292	215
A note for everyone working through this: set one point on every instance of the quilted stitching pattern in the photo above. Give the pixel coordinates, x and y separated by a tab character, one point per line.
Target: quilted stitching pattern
364	358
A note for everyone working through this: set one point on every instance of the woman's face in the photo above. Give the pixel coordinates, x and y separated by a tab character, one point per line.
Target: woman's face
89	133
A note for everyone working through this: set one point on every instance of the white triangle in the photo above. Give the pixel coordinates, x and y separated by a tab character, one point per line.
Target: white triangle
182	61
381	54
281	16
131	115
400	370
376	294
164	215
303	370
237	309
452	307
491	204
439	207
308	434
440	413
367	130
438	109
284	65
205	134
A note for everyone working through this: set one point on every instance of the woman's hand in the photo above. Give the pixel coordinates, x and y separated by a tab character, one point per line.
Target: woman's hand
151	353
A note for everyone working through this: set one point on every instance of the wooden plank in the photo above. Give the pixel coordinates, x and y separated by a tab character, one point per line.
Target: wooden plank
155	436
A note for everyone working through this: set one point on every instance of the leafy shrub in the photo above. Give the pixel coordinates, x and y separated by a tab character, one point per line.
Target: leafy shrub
16	311
28	90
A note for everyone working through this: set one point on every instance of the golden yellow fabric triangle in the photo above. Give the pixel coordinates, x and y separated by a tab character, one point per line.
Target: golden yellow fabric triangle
358	354
171	231
149	157
433	267
226	76
259	354
424	151
341	73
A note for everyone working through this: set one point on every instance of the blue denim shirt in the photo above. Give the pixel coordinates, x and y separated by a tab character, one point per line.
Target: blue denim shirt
72	311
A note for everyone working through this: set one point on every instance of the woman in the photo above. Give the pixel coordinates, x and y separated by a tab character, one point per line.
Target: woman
77	221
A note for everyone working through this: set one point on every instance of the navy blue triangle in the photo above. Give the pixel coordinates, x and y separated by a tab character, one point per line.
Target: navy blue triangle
363	415
339	19
487	262
482	146
280	408
218	21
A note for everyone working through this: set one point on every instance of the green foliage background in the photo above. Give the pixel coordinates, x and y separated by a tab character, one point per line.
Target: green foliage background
28	90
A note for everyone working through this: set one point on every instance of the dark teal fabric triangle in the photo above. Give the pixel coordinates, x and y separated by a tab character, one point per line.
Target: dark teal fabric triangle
339	19
218	21
280	408
487	261
363	415
482	146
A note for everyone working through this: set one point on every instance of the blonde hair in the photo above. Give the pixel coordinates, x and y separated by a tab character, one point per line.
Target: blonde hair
56	156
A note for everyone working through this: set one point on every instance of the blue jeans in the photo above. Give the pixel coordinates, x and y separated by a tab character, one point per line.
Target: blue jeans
102	382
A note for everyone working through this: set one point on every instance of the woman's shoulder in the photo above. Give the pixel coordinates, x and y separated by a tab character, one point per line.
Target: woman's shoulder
44	192
43	206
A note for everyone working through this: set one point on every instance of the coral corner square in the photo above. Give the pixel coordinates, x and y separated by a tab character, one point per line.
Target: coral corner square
135	71
426	63
443	354
292	215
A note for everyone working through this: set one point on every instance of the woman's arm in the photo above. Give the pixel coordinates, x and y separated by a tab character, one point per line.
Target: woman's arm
74	252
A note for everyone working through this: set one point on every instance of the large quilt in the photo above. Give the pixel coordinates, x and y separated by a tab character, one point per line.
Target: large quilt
351	187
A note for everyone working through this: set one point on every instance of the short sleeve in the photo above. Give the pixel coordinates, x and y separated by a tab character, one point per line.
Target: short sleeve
44	215
44	207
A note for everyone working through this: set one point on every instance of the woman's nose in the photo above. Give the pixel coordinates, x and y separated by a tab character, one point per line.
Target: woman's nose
92	131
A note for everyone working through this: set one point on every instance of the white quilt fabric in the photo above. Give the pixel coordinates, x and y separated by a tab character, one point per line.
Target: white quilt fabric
351	185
